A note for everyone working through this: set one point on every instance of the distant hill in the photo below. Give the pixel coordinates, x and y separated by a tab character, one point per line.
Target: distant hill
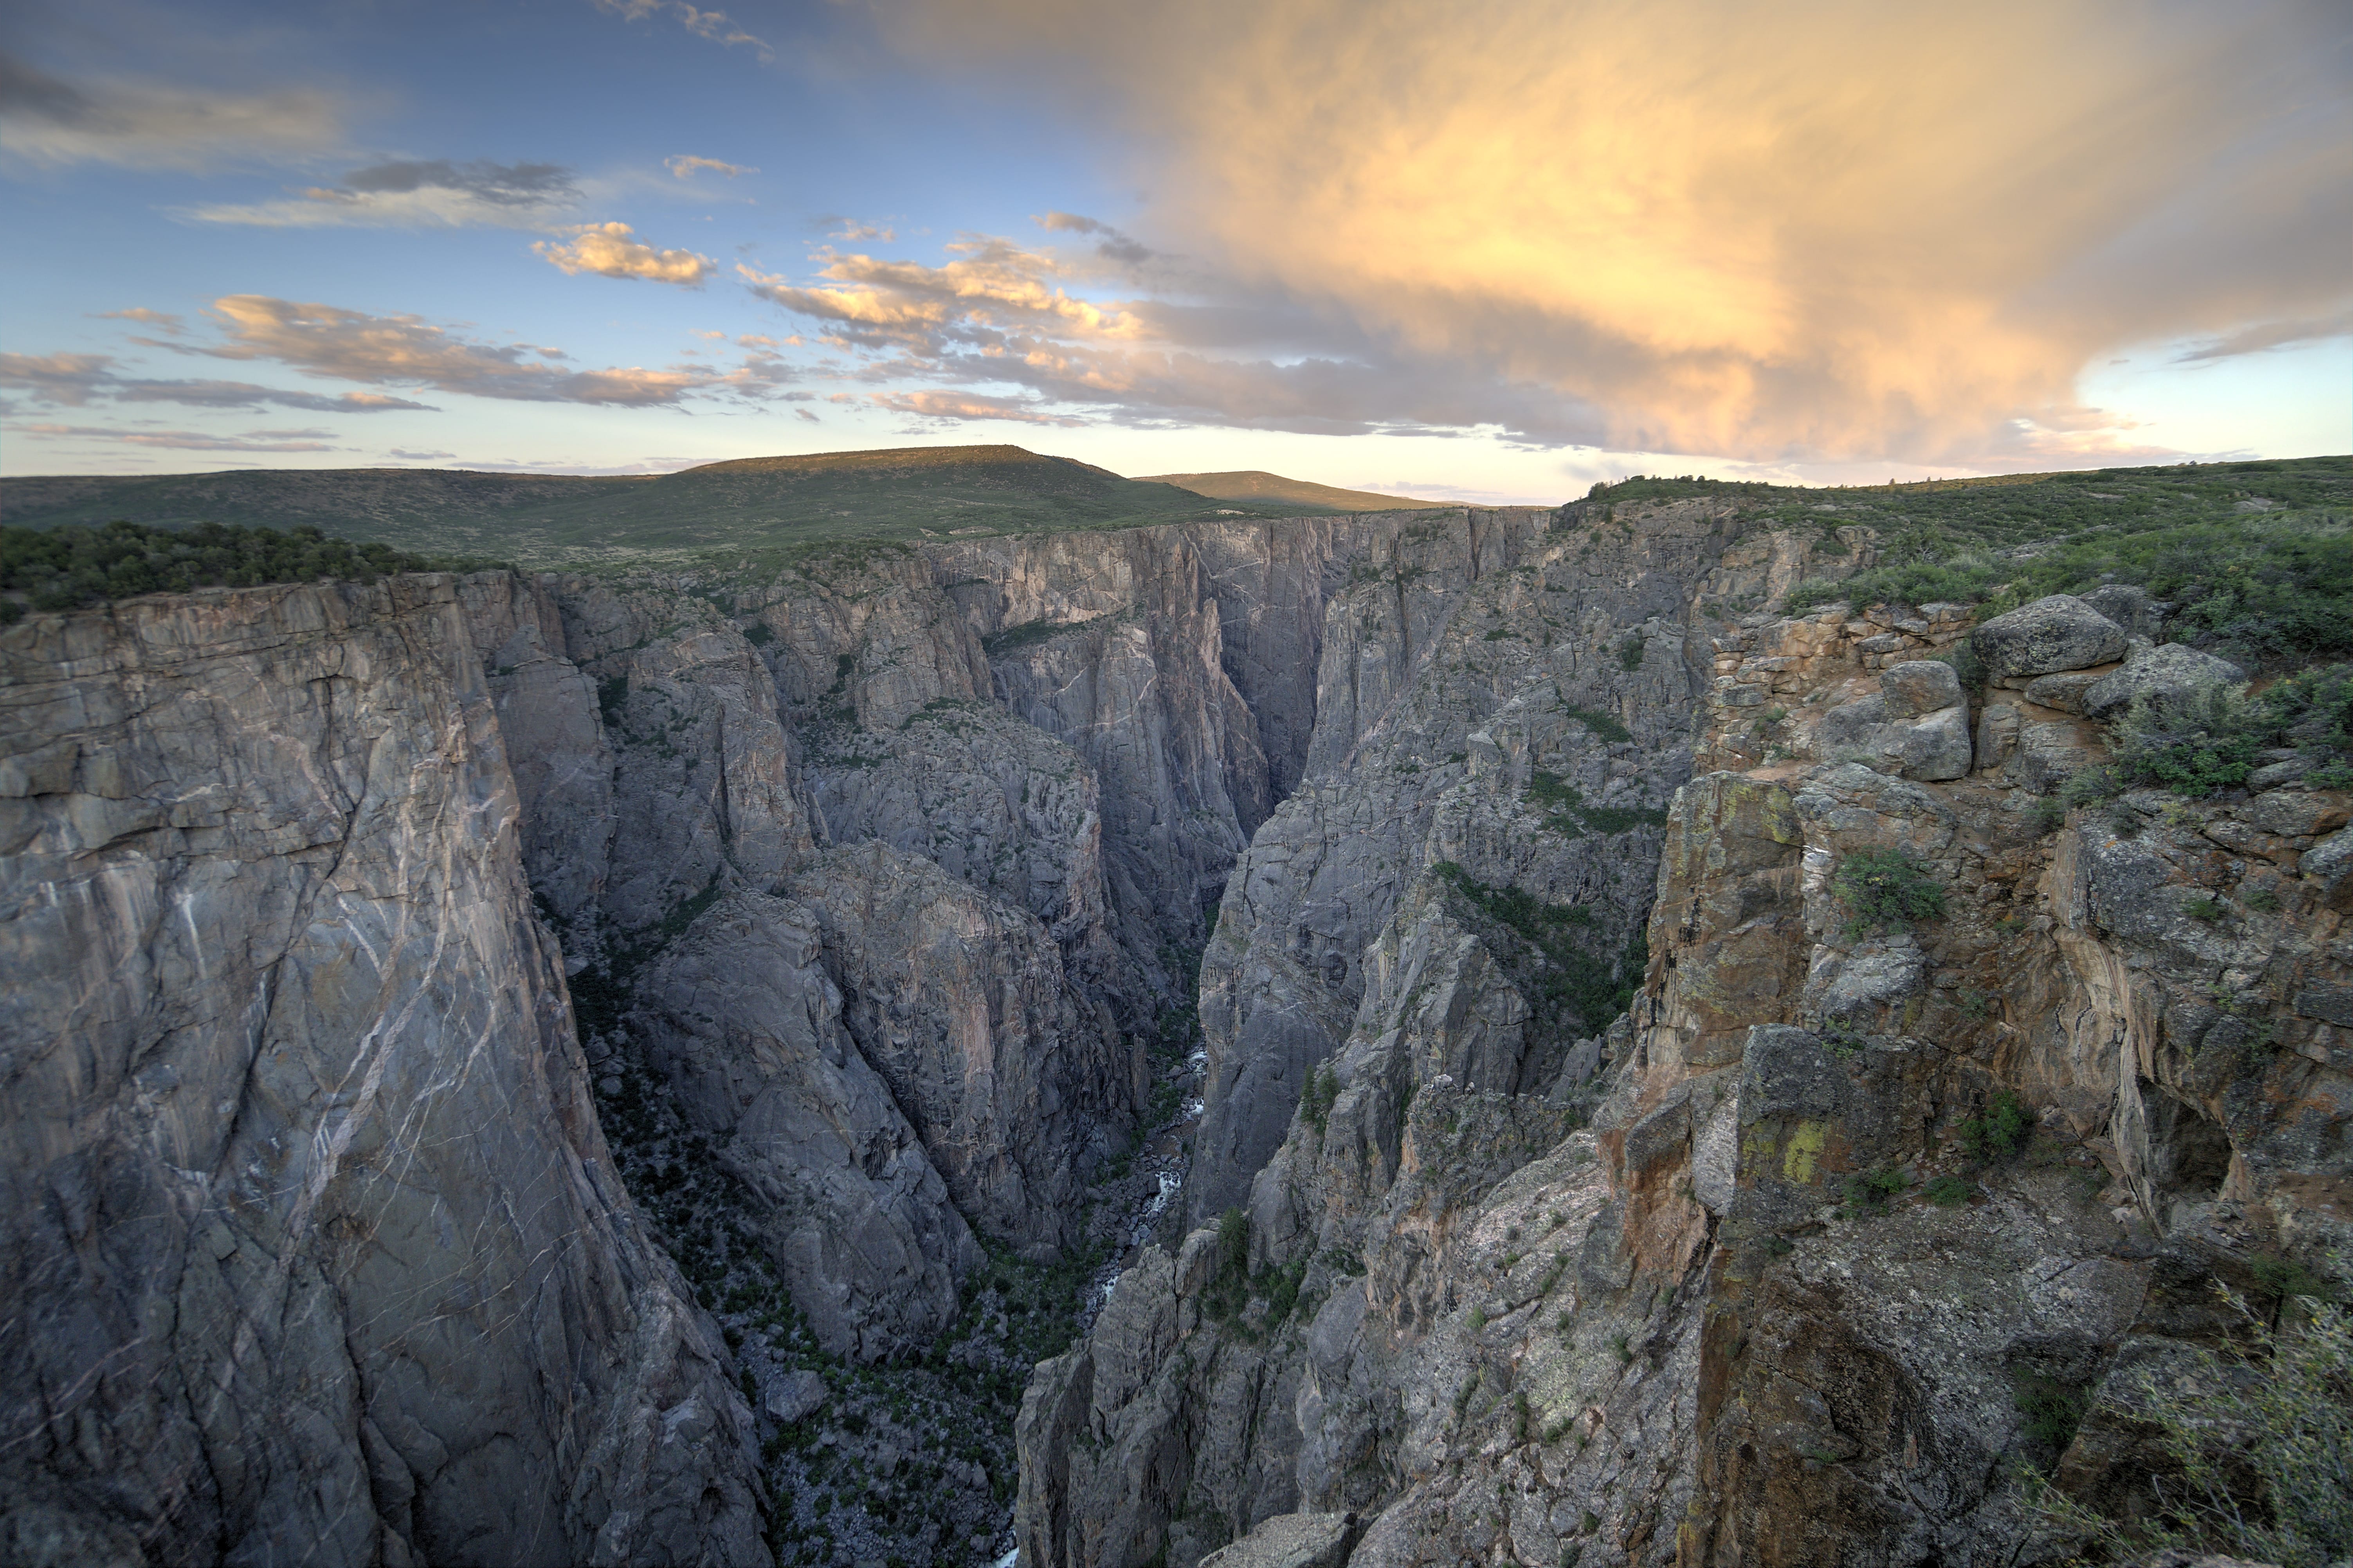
750	503
1257	485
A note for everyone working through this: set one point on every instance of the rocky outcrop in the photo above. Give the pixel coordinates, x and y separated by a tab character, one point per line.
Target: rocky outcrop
1859	1204
2166	676
2061	632
313	1249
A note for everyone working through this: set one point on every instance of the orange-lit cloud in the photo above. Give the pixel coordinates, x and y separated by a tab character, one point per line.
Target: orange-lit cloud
990	281
962	405
406	350
1836	229
607	250
686	168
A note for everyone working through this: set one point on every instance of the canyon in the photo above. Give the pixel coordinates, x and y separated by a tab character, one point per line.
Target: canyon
520	1062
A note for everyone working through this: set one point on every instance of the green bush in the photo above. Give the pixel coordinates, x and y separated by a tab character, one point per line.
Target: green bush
1315	1101
2001	1132
1601	724
1883	887
2217	739
2053	1410
1947	1191
1868	1193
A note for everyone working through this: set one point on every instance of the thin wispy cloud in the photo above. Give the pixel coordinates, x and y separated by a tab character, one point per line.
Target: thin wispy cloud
961	405
79	380
136	123
2264	335
410	194
714	25
1775	233
192	441
686	168
608	250
162	321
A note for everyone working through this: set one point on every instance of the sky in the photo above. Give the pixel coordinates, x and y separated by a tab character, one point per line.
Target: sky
1485	251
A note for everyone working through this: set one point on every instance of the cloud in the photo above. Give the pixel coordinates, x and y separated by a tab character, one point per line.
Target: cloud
712	24
193	440
78	380
852	232
162	321
607	250
1835	230
991	281
955	405
406	350
2262	335
685	167
420	456
142	124
1115	245
435	193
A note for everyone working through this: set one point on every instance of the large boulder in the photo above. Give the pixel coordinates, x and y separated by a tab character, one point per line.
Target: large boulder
1919	686
2130	607
1871	730
2061	632
2169	675
1288	1540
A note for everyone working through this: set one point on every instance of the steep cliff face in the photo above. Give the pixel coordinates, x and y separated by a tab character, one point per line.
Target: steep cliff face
313	1249
1862	1204
1513	700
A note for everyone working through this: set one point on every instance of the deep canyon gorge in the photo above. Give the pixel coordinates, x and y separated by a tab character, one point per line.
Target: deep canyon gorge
1318	1040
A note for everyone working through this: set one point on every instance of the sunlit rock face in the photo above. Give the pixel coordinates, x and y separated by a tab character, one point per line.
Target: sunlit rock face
314	1249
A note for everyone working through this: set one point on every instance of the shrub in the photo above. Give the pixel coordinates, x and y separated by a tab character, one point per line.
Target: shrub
1630	652
1601	724
1867	1194
2205	907
1883	887
2001	1131
2285	1436
1947	1191
1233	1242
2052	1411
2216	739
1321	1092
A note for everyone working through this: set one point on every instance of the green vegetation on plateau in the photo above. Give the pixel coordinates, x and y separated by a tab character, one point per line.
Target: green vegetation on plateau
66	568
761	505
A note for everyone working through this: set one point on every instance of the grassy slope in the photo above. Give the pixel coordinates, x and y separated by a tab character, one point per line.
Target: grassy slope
760	503
1257	485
